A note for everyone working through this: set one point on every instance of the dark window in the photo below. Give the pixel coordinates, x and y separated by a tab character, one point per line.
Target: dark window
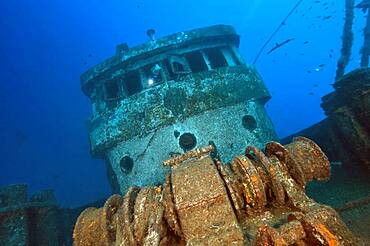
133	82
249	122
178	67
153	72
196	62
126	164
100	92
216	58
187	141
168	69
111	90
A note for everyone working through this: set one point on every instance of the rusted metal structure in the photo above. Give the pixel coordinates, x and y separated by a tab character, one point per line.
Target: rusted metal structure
170	95
348	36
365	50
258	199
345	134
34	221
347	39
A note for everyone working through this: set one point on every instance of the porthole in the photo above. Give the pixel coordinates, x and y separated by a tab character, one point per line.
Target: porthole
249	122
187	141
126	164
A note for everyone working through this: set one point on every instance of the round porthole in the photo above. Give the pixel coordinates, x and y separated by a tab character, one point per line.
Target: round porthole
249	122
126	164
187	141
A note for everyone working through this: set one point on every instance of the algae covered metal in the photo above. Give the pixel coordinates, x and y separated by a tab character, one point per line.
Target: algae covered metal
169	96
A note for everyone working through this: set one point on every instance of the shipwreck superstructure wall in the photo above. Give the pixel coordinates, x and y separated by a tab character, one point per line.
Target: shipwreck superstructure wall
345	134
168	96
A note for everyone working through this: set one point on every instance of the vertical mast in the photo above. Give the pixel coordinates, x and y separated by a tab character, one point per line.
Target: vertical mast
347	39
365	50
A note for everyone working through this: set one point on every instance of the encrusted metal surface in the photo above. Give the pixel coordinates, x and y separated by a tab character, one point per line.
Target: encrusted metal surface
253	201
198	153
146	98
175	101
345	134
203	206
30	221
166	43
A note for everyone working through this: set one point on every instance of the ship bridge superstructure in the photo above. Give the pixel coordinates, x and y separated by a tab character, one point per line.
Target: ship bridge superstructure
170	95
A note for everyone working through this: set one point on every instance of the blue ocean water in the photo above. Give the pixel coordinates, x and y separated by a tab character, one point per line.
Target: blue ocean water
46	45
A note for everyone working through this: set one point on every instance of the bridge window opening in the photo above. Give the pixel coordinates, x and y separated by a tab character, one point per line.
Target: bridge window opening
216	58
196	62
133	82
153	74
112	90
178	65
168	69
230	56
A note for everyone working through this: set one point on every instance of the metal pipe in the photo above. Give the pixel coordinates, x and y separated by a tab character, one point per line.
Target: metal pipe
347	39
